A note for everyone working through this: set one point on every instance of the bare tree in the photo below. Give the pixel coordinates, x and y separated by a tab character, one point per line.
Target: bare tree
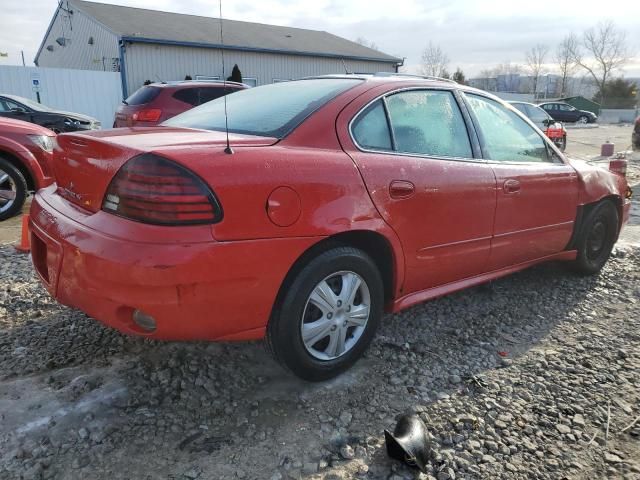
434	61
565	59
366	43
606	51
535	64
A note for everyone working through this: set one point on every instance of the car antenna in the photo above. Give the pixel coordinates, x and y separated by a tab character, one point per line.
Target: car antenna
228	149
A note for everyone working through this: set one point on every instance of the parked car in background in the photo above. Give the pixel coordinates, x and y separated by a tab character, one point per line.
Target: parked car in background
154	103
635	135
563	112
25	163
552	129
20	108
324	202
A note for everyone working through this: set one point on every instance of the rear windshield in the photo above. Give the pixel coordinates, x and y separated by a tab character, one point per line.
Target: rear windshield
143	95
271	110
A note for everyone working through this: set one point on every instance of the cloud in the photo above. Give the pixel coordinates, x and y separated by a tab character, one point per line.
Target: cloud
475	35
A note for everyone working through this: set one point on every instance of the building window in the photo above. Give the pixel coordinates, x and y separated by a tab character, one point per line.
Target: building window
207	77
251	81
280	80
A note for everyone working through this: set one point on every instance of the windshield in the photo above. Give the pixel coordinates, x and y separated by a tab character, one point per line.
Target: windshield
271	110
30	103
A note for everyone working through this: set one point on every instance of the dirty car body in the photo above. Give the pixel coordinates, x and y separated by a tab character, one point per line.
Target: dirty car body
336	202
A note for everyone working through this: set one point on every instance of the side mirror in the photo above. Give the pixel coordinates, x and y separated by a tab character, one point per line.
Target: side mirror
18	110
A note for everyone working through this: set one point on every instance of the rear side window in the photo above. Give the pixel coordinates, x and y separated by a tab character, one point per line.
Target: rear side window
211	93
505	136
143	95
428	122
188	95
371	130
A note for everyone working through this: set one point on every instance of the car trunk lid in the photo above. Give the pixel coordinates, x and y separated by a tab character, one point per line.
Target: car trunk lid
84	164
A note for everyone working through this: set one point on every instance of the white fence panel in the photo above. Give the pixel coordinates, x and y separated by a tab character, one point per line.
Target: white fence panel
92	93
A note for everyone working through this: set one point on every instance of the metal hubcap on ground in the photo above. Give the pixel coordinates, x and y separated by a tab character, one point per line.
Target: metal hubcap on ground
7	191
596	240
335	315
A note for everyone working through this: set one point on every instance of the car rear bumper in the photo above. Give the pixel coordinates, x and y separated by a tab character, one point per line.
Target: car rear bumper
194	287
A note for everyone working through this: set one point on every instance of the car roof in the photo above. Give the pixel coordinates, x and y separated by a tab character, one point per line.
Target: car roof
17	98
382	77
196	83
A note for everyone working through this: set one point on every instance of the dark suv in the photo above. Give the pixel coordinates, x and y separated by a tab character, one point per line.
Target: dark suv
154	103
563	112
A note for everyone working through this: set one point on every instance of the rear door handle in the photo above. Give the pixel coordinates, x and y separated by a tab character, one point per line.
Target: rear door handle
401	189
511	186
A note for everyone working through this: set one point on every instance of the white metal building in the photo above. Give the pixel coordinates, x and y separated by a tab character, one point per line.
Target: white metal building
161	46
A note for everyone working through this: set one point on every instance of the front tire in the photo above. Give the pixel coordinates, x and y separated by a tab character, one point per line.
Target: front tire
583	119
13	189
328	314
597	238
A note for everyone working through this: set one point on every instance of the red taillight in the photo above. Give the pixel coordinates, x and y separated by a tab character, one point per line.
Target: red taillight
150	115
619	166
152	189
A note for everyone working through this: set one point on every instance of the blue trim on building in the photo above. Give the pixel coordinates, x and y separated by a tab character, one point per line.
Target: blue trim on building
255	49
123	71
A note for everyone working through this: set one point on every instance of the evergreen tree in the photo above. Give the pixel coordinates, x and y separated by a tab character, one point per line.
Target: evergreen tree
236	76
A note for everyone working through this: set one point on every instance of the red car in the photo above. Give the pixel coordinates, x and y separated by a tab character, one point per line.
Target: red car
336	198
25	163
153	104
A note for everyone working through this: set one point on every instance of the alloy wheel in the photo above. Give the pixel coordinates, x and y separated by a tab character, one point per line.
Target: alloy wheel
8	191
335	315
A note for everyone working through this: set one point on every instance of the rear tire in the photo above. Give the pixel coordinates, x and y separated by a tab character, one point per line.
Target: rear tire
13	189
318	333
563	144
597	238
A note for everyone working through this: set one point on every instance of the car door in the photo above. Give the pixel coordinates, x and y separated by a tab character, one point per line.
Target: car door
537	192
414	152
567	113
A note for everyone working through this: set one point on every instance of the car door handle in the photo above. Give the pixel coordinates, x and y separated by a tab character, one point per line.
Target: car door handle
511	186
401	189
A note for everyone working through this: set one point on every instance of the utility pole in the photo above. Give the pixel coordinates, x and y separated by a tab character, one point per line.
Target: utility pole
22	53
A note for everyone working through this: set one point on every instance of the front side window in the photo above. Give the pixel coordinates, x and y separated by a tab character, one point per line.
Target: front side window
371	129
506	137
270	110
428	122
566	108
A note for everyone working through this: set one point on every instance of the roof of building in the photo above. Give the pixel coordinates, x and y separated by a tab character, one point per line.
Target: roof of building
142	25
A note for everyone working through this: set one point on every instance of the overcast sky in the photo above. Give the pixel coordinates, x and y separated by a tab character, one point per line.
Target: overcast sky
474	34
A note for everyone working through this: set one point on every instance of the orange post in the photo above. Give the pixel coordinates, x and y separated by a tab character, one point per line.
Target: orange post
24	245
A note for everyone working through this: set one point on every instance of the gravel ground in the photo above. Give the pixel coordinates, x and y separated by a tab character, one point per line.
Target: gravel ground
536	375
517	379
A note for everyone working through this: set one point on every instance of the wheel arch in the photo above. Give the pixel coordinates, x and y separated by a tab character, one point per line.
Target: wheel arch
373	243
583	213
20	164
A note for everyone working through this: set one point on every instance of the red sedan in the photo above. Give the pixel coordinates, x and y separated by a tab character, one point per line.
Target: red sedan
337	198
25	163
